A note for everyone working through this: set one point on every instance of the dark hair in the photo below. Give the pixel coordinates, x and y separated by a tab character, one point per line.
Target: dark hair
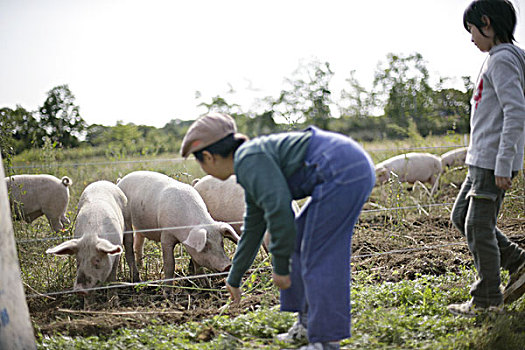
502	17
224	147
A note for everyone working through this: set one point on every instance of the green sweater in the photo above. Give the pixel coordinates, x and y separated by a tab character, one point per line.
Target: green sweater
262	166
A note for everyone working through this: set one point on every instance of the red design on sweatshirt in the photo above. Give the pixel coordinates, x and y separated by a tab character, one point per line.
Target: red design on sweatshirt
477	96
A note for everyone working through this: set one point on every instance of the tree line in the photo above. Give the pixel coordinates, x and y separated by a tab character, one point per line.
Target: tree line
401	91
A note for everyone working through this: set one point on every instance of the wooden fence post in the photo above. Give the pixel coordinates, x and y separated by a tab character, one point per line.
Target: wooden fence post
16	331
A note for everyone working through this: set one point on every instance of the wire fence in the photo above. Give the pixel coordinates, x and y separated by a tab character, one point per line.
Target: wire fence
164	282
179	160
160	229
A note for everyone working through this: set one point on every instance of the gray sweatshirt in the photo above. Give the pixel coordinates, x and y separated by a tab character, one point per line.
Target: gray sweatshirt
497	122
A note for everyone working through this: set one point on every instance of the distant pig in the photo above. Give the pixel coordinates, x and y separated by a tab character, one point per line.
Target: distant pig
453	158
410	167
32	196
99	236
175	213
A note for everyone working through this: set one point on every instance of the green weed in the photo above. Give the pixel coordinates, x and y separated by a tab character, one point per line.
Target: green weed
404	315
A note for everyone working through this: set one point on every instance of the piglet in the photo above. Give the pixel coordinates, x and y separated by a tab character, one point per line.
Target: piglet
99	234
166	210
32	196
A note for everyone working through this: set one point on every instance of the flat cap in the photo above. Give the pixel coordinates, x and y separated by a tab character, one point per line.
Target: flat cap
205	131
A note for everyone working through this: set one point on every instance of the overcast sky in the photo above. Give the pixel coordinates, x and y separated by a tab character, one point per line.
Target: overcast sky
143	61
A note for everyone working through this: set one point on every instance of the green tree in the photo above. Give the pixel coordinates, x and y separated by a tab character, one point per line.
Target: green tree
96	134
452	107
261	124
220	105
403	90
19	129
309	97
355	100
60	117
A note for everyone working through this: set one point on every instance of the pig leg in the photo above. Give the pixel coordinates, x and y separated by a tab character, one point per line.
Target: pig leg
112	294
55	223
113	274
167	257
31	216
435	184
130	257
64	220
138	248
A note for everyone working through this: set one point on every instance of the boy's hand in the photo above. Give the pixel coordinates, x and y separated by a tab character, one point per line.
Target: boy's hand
235	293
282	282
505	183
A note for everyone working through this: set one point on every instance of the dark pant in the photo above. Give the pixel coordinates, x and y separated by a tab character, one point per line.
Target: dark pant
339	176
475	214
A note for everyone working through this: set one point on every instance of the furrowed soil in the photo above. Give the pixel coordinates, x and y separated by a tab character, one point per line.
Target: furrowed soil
390	245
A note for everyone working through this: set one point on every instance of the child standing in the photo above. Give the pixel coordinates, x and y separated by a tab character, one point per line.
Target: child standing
311	253
494	157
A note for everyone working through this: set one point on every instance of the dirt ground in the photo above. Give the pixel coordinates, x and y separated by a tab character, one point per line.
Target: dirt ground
391	247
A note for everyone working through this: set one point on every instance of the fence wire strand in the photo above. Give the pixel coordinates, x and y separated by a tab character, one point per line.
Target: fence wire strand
180	160
163	282
159	282
366	211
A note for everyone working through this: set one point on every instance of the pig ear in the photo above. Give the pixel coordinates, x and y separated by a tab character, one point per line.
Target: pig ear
67	248
380	170
228	232
382	173
105	246
196	239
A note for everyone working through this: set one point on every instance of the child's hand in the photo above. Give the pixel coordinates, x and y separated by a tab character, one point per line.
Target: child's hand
235	293
282	282
505	183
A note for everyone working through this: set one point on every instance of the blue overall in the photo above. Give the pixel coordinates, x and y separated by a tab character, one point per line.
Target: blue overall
339	176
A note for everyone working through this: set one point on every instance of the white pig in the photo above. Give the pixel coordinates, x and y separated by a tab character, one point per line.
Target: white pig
456	157
158	203
99	236
410	167
32	196
225	201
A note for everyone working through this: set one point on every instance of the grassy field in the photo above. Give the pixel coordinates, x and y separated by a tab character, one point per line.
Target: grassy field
408	264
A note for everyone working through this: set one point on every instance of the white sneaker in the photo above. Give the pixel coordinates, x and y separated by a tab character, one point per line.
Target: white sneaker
296	333
312	346
468	309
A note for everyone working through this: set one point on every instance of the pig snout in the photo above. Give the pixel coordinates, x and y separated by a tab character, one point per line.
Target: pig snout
82	292
83	282
80	289
227	268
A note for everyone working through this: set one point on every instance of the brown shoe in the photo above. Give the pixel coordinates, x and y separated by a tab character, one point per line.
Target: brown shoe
516	286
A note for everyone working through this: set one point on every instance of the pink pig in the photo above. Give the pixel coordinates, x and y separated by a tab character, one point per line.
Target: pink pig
99	236
158	203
